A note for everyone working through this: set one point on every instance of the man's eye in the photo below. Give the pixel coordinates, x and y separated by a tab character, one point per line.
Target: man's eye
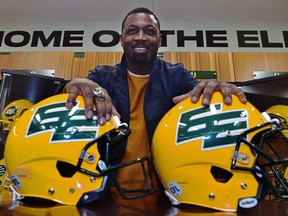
130	31
151	31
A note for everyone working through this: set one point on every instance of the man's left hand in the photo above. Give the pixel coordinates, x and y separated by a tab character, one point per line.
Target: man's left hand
208	87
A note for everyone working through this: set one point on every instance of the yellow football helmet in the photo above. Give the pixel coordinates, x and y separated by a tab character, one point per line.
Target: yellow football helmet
55	153
280	112
13	111
212	156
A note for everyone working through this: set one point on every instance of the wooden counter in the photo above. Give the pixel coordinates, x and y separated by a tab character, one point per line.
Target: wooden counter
156	204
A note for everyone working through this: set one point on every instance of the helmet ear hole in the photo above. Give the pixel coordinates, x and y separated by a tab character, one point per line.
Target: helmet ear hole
220	175
65	169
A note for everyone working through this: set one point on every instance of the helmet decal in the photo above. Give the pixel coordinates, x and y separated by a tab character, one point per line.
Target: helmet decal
64	123
16	181
11	111
217	128
175	188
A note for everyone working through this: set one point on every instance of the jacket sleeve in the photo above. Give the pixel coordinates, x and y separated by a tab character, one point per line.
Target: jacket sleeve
188	81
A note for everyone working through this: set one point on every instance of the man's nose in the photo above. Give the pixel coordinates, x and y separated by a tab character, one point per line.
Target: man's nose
141	35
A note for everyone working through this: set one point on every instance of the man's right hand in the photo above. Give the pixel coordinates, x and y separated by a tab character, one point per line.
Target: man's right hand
86	88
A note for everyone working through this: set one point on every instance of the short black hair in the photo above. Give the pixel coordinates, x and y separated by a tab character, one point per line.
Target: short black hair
139	10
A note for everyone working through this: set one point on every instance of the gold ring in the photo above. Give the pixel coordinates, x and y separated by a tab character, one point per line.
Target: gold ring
98	92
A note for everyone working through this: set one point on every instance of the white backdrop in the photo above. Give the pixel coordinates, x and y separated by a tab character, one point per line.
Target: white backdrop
218	36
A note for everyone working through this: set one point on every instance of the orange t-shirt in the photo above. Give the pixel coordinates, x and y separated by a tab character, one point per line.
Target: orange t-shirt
138	143
138	146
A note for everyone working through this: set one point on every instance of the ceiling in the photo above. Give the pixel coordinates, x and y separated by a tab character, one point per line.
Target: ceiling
98	10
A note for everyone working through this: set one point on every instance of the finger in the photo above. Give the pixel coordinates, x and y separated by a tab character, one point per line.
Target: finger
115	113
89	102
108	107
239	93
101	109
208	92
228	89
227	98
180	98
71	100
73	92
104	107
197	91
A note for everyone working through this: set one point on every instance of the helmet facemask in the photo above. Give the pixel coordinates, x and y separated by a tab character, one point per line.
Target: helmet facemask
105	144
270	149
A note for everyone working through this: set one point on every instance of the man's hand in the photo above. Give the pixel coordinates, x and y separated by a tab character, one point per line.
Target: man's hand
208	87
86	88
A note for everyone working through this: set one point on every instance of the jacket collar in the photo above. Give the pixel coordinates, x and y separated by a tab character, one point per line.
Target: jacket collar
123	67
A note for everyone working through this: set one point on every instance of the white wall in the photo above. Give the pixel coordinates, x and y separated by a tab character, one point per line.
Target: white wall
19	36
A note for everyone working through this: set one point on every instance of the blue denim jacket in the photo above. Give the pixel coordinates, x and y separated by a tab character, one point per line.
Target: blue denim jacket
166	81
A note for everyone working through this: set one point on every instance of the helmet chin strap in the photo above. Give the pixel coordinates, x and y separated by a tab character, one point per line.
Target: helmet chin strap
268	118
242	157
6	121
8	184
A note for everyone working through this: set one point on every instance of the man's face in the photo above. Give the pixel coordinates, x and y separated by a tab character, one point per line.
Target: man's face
141	38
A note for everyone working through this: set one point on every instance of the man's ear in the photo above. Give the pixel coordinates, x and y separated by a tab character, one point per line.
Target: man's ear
160	41
121	38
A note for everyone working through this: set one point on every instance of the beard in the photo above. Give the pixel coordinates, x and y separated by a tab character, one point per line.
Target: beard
140	58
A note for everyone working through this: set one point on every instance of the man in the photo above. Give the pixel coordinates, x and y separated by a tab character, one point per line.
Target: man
141	88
